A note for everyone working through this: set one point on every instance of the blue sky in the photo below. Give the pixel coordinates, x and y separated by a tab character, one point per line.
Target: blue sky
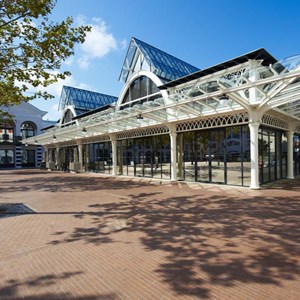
202	33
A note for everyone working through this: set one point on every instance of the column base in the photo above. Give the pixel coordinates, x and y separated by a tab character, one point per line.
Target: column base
255	187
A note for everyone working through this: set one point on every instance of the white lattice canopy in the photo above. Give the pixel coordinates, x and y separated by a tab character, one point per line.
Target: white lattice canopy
251	87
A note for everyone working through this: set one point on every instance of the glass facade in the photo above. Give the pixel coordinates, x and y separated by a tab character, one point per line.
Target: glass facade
272	147
68	156
140	88
219	155
145	157
215	156
7	158
100	157
238	155
67	117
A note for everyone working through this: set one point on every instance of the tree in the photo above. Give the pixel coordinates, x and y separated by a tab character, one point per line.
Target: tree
32	49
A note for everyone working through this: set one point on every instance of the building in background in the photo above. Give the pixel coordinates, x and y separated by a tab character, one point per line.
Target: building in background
27	123
235	123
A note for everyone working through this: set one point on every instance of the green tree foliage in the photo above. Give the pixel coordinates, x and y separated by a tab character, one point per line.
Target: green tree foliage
32	49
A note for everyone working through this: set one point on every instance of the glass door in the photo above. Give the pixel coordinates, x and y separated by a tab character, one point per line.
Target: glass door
217	155
148	158
203	155
28	158
210	156
188	156
139	157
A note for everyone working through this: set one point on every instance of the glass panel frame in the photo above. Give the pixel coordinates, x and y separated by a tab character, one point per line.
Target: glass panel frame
7	158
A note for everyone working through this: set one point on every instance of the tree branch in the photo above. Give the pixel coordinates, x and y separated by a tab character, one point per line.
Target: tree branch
15	19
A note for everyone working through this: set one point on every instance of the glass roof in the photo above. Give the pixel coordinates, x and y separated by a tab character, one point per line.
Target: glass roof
157	61
83	100
230	92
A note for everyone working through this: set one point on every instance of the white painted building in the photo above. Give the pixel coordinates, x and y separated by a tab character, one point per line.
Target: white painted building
27	122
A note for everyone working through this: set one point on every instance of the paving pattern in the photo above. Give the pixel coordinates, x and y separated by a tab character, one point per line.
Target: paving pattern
100	237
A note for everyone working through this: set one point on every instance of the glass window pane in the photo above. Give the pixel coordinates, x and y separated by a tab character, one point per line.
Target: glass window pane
234	158
7	158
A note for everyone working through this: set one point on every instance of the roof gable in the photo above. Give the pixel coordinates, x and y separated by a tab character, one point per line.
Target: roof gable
83	100
142	56
24	108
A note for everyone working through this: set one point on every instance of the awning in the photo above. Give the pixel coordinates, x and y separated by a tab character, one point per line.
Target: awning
248	86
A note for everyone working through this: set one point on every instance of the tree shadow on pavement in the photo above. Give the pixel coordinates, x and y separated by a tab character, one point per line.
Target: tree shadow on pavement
209	239
66	182
217	240
10	289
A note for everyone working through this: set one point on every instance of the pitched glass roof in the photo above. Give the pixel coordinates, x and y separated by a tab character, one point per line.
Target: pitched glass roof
260	54
83	100
157	61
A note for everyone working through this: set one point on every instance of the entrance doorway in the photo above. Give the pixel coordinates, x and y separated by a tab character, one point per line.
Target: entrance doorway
210	156
28	158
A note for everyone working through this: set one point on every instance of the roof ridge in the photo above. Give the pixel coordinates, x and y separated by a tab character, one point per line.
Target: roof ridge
89	91
168	54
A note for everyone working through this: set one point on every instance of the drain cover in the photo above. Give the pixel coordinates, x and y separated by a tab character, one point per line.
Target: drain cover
14	209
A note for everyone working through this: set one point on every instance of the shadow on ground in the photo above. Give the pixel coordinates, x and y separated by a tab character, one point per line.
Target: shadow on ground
63	182
209	239
10	288
209	236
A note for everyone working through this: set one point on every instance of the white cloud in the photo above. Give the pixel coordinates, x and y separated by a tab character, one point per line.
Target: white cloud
85	86
98	42
83	62
69	61
81	20
123	44
53	113
51	105
55	88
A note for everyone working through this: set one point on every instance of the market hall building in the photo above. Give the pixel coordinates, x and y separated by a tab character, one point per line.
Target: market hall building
235	123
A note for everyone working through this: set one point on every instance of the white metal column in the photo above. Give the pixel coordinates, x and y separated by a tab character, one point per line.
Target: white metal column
180	157
290	160
114	155
87	153
46	154
254	184
57	157
173	136
80	154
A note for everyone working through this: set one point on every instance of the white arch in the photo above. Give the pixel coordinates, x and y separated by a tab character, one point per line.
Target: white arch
133	77
71	108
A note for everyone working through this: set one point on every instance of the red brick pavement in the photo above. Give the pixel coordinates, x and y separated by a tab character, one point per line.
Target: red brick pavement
101	237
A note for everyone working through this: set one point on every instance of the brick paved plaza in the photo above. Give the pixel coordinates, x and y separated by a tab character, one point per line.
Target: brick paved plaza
102	237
